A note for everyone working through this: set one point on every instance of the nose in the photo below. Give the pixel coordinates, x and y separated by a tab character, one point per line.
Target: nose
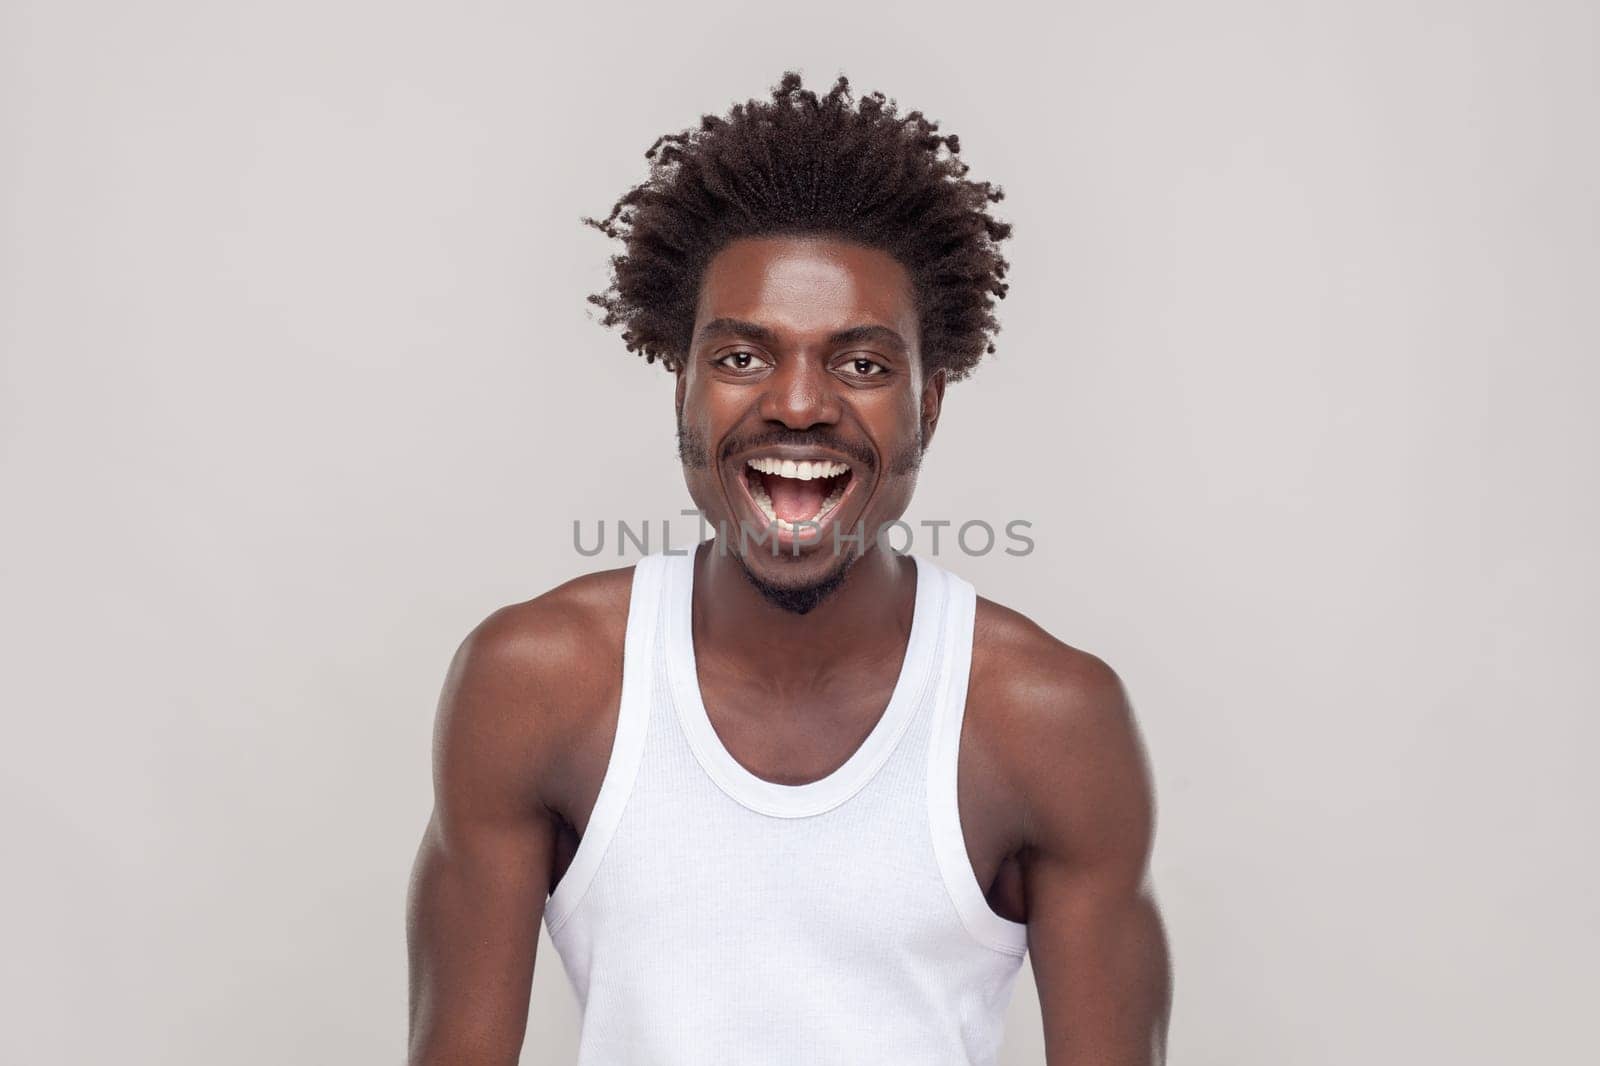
799	395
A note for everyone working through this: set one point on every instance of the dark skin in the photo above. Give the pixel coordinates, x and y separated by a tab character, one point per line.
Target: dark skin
794	338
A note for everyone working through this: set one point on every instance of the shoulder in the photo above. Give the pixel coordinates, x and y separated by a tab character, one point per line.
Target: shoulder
1060	725
1039	690
1040	676
527	683
549	639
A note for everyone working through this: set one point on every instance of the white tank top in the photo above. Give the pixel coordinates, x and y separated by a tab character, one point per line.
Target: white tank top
710	917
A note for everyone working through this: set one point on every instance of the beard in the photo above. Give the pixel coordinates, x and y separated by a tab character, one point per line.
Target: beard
694	453
797	599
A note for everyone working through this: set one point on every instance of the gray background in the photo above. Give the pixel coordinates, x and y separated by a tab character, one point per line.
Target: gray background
1296	385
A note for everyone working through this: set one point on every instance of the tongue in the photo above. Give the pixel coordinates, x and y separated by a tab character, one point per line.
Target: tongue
795	500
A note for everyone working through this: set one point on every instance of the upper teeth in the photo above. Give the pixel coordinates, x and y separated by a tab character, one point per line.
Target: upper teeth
804	470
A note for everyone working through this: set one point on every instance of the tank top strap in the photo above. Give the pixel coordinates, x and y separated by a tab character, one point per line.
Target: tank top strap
944	751
645	602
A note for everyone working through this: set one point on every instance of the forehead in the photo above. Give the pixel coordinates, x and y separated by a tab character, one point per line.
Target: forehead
800	286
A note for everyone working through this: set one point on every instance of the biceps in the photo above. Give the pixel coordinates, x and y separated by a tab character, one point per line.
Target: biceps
1100	962
477	897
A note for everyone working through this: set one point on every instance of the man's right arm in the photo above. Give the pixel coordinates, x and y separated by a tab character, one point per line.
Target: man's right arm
483	871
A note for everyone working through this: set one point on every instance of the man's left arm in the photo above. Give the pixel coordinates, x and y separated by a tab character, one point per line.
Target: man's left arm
1095	936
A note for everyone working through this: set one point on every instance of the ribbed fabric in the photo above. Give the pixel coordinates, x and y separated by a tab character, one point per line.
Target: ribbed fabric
710	917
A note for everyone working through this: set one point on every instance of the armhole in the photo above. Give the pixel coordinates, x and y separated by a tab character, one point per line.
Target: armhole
944	808
627	746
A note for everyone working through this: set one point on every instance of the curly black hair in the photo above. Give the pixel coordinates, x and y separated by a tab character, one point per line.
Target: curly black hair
803	164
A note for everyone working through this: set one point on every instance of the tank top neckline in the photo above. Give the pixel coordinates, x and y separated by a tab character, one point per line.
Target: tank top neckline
773	798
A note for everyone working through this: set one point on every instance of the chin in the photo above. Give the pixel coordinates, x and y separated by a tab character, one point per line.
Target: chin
797	584
797	599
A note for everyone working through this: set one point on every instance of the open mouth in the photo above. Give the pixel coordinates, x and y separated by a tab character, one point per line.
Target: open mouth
796	495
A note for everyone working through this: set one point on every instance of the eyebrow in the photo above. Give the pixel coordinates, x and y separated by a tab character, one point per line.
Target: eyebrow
738	327
870	335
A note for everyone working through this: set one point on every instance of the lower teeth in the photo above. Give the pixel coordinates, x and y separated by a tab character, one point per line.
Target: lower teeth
764	502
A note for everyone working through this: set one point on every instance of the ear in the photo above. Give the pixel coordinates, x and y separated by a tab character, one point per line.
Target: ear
932	404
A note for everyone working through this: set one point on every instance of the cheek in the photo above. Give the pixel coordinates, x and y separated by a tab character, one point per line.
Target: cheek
895	424
705	406
694	415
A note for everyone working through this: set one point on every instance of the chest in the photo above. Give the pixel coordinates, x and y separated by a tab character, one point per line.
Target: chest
801	733
795	730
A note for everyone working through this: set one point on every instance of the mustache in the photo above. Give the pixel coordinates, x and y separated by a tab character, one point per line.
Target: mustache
803	439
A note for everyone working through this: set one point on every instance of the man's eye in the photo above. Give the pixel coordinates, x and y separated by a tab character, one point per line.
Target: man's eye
861	366
741	361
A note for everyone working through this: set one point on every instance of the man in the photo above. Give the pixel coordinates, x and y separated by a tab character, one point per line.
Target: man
791	797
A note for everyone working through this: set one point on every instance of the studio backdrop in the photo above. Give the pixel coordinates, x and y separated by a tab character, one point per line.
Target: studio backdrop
1294	389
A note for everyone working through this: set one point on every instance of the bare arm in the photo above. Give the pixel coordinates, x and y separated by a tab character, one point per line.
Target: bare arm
482	873
1099	951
